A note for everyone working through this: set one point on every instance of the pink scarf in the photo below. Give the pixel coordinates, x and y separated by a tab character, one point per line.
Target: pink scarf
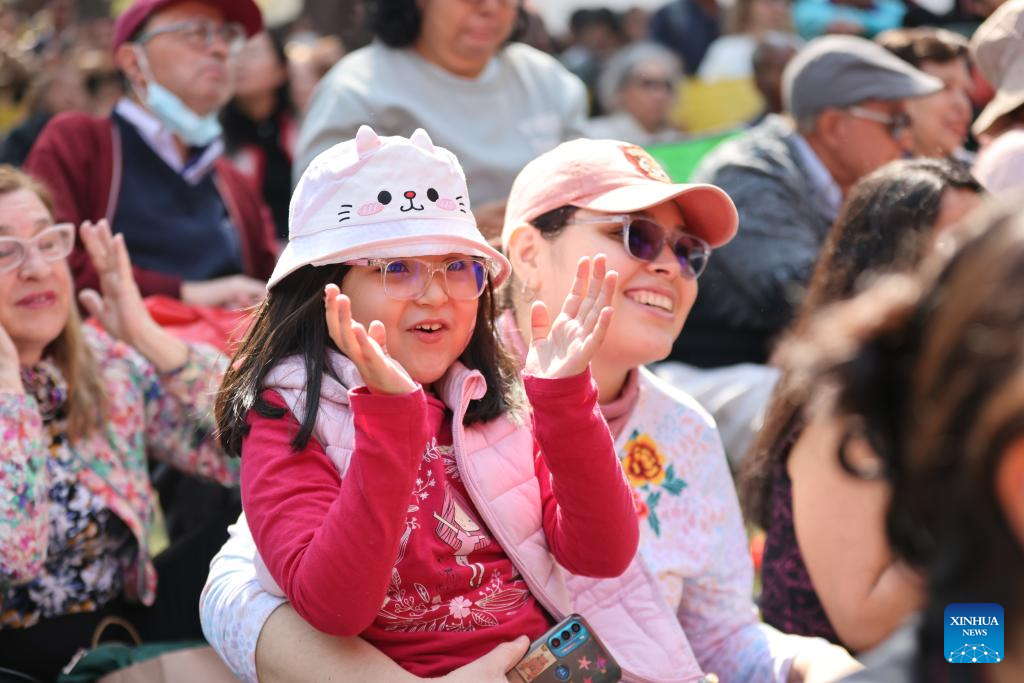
616	412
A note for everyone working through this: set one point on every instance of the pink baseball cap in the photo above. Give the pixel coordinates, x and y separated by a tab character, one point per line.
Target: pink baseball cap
611	176
382	197
245	12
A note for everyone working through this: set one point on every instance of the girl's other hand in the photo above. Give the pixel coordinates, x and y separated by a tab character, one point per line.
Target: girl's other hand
564	349
368	349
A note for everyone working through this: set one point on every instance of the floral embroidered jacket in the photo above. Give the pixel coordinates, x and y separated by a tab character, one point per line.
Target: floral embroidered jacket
165	416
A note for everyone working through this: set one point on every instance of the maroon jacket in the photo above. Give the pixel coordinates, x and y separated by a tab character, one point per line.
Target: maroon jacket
78	158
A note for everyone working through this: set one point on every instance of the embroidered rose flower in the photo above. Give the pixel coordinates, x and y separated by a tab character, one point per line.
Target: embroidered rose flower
459	607
644	462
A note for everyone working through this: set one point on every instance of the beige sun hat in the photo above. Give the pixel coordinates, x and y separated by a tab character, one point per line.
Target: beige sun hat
997	48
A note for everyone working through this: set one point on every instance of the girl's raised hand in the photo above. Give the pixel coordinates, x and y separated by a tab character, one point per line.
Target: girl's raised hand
564	348
368	349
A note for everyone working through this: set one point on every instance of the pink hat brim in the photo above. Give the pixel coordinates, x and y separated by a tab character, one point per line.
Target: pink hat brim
707	210
435	238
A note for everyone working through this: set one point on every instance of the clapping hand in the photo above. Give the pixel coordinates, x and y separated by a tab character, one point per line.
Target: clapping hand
564	348
367	348
118	303
119	306
10	364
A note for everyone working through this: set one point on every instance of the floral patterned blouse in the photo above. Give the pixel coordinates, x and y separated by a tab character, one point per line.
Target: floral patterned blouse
74	518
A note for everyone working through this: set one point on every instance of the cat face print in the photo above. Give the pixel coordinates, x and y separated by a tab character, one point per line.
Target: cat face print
403	201
412	181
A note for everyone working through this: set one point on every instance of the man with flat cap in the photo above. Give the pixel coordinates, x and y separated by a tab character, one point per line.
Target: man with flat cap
788	175
154	168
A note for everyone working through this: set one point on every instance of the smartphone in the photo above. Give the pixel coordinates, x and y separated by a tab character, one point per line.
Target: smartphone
569	653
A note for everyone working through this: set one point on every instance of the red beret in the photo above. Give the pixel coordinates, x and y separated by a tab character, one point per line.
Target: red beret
245	12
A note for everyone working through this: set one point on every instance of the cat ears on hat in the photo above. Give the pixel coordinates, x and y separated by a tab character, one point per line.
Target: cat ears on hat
367	141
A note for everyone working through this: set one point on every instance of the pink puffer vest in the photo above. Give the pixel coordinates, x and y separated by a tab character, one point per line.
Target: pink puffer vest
496	463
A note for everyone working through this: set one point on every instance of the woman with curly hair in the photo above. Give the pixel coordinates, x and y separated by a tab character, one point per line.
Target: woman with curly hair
923	376
826	570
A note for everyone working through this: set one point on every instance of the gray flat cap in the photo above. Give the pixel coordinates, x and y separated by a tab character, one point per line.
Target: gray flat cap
840	71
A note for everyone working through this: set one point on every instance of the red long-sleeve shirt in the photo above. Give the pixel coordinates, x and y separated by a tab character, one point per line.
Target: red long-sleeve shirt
396	551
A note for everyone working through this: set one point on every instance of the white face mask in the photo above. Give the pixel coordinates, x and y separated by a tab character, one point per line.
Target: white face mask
193	129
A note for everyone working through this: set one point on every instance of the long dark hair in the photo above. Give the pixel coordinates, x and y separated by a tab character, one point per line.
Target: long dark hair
885	224
291	322
397	22
930	367
236	122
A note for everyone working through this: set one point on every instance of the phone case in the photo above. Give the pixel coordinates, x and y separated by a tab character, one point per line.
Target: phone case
581	659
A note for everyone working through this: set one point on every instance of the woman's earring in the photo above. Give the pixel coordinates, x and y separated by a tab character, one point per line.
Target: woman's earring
528	293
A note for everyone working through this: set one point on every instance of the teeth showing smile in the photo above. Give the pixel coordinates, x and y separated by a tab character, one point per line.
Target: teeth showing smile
651	299
429	327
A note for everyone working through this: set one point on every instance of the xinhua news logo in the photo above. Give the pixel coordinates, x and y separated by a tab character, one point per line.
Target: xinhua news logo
974	633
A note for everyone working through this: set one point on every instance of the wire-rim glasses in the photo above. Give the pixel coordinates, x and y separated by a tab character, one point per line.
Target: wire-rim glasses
463	278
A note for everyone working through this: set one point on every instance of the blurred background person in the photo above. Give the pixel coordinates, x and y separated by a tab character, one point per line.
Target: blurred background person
102	79
998	50
260	129
596	36
731	55
942	415
826	569
451	67
941	122
687	27
637	90
309	60
154	167
56	89
847	98
866	18
771	55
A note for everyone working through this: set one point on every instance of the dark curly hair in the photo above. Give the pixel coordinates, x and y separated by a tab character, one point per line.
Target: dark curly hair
930	367
884	225
397	22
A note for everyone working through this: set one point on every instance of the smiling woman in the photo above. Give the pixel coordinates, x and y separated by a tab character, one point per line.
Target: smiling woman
590	197
81	411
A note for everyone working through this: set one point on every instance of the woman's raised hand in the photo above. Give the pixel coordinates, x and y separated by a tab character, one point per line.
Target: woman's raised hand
10	365
118	304
564	348
367	348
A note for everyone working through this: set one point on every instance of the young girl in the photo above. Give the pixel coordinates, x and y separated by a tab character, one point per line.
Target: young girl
568	204
390	485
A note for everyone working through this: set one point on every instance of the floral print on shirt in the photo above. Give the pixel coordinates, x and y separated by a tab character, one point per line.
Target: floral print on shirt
166	416
644	463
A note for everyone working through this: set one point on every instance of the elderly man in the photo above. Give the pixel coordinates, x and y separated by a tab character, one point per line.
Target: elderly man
788	177
153	168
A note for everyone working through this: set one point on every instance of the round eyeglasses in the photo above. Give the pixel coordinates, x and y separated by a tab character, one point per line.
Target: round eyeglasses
200	33
644	239
53	244
408	278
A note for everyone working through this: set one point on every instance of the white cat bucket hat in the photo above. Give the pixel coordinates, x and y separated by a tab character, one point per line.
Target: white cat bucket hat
382	197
